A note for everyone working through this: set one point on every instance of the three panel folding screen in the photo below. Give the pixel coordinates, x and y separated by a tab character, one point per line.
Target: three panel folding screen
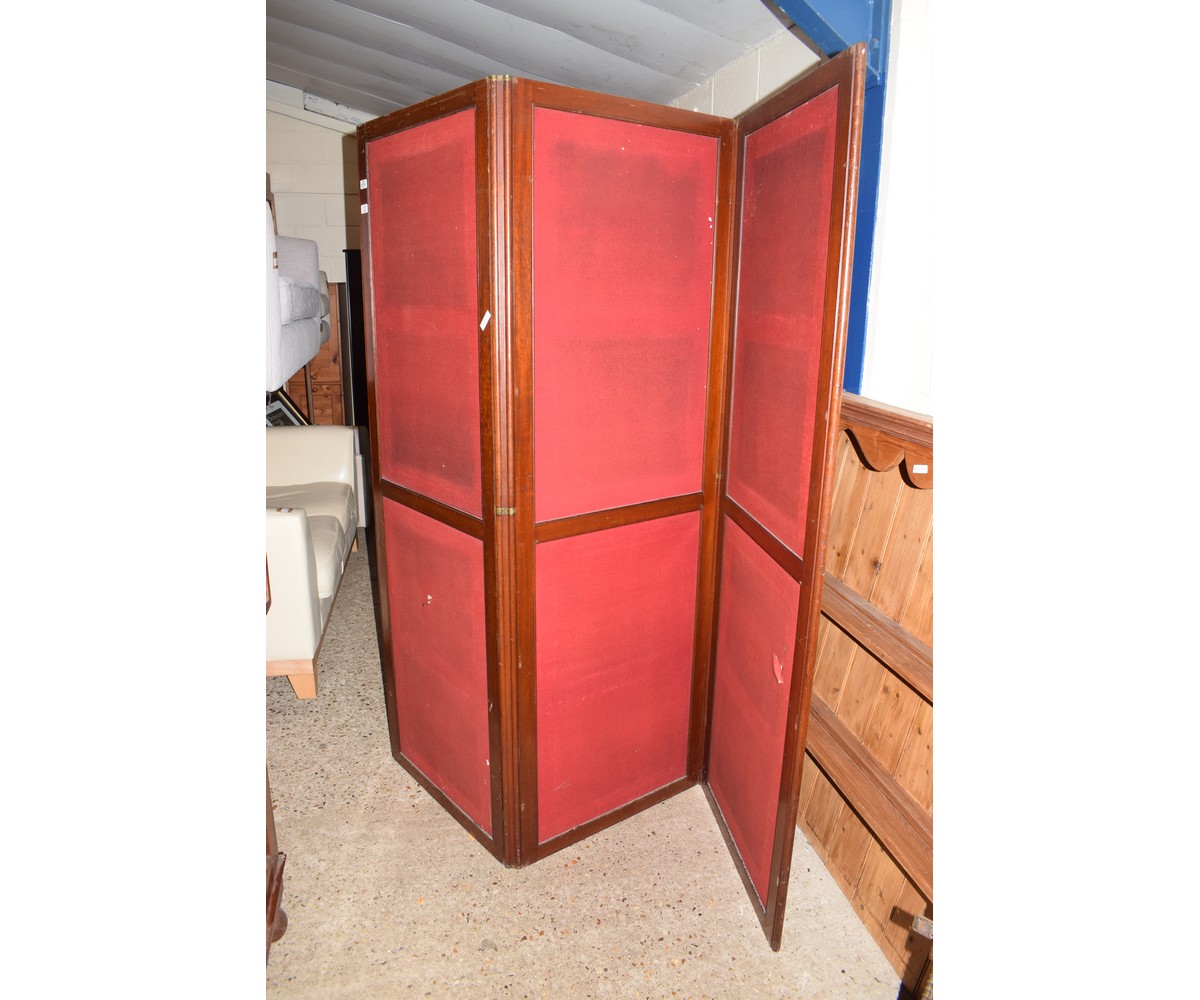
605	344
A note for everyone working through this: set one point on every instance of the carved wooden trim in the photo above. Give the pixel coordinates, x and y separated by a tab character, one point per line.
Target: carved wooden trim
886	436
904	829
883	637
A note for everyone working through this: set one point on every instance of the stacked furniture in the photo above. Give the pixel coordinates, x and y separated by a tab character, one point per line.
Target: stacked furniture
311	472
297	304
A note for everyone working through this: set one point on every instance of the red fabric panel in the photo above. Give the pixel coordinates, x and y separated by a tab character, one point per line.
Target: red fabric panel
756	636
780	310
615	619
422	199
622	262
439	655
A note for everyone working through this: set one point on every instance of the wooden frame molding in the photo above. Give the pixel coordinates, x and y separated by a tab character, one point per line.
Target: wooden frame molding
887	436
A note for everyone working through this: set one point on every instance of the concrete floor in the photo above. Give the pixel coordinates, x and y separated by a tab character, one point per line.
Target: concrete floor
386	895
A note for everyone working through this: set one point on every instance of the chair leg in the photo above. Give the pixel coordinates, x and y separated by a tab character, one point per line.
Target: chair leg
312	415
305	685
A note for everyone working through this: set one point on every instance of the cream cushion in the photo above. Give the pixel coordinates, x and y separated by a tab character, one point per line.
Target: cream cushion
332	517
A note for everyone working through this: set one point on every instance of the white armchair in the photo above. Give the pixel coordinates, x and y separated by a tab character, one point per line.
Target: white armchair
312	525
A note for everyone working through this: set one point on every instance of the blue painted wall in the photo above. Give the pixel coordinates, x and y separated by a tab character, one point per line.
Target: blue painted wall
834	25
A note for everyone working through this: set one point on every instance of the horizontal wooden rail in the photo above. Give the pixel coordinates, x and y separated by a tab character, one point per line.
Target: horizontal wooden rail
580	524
468	524
885	639
903	828
903	426
785	558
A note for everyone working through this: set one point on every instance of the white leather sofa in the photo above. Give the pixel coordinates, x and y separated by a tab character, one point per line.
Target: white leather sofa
312	525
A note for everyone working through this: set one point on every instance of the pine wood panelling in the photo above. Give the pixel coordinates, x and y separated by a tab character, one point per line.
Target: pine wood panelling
807	778
907	656
835	648
874	524
917	617
825	809
915	946
850	843
848	490
897	821
891	719
867	791
911	526
879	891
820	810
914	770
876	890
864	679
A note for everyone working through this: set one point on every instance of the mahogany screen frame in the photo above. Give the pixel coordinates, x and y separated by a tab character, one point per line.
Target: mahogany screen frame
503	109
845	72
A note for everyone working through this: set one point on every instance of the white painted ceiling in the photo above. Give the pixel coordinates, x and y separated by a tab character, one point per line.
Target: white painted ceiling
374	56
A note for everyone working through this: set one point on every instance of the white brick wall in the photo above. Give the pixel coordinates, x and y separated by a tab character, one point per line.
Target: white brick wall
757	74
312	161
